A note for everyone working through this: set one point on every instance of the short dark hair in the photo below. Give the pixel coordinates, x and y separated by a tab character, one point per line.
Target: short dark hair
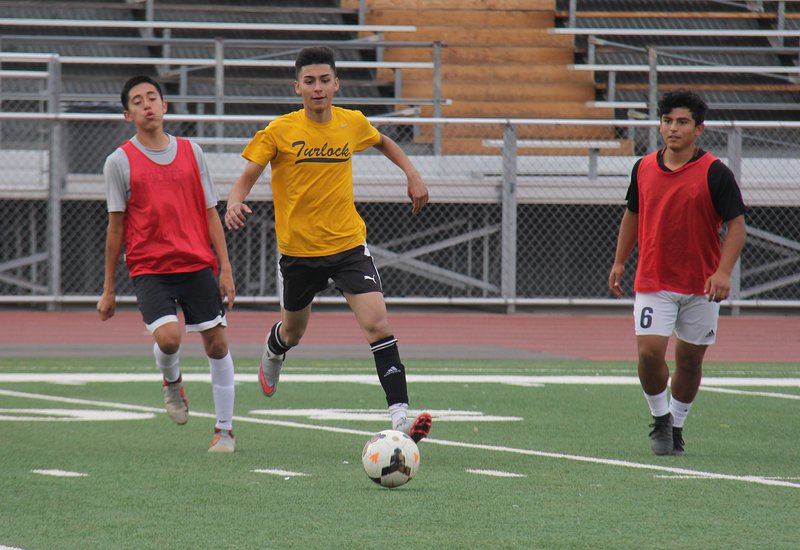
318	55
133	82
683	98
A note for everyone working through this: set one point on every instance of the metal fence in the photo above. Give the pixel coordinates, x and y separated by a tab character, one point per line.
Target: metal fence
522	212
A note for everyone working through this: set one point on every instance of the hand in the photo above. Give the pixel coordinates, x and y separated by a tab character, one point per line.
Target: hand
614	279
107	305
236	215
226	287
417	192
718	287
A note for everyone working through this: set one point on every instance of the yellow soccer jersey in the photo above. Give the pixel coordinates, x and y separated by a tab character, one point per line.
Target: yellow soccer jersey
312	179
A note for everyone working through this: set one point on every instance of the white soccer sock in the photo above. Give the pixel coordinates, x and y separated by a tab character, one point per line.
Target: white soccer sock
399	414
680	411
223	391
659	405
169	364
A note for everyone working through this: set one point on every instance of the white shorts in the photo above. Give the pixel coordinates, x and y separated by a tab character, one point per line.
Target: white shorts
691	317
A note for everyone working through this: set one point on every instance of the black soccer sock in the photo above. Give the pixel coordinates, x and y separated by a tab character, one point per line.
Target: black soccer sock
391	372
275	343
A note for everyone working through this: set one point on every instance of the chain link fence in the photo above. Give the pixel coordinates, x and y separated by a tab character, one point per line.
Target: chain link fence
522	211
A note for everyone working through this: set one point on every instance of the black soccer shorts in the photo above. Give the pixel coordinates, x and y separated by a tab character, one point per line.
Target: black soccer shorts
352	271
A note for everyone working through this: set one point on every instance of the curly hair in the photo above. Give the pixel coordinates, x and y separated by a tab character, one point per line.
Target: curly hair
683	98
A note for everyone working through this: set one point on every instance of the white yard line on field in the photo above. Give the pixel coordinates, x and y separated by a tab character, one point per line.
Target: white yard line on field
59	473
753	393
493	473
371	379
431	441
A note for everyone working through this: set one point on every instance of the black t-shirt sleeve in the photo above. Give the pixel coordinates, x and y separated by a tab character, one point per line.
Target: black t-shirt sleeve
725	193
632	196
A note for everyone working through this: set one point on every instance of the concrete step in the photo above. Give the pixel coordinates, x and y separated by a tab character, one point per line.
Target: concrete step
467	18
474	55
497	5
544	131
514	73
484	36
520	109
475	146
501	91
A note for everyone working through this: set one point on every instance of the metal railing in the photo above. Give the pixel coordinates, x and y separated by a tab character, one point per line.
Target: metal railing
483	240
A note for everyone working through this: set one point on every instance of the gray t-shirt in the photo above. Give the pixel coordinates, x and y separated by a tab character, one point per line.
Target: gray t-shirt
117	172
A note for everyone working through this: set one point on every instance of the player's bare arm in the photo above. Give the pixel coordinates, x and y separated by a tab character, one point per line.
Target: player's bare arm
718	285
217	236
417	190
115	233
237	211
626	240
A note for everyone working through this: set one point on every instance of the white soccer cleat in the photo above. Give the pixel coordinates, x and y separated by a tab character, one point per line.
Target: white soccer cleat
175	401
269	371
223	442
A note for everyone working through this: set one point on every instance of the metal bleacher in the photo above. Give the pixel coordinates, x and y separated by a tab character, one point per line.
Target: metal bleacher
713	35
243	30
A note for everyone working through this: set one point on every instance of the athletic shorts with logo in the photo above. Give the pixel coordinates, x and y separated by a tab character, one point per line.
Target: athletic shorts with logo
352	271
197	292
691	317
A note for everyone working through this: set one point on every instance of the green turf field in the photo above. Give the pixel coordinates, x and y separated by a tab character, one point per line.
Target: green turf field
515	460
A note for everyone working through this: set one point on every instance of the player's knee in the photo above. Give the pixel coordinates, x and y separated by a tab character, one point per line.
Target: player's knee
217	350
378	329
650	357
169	345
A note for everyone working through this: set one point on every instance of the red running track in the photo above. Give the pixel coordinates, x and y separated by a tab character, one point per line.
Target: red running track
609	337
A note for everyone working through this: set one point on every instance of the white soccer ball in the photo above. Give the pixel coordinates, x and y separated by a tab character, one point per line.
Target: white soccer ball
390	458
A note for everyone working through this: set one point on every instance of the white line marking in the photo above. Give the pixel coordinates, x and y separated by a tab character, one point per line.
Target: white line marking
754	393
59	473
494	473
284	473
70	415
371	379
443	415
430	441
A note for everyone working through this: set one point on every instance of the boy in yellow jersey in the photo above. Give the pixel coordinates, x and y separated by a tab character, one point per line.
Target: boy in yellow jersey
319	232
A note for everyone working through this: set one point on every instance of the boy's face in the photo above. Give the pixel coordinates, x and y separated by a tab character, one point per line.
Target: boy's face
146	107
316	84
678	129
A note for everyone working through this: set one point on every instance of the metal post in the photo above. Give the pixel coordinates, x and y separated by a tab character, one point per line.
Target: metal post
219	86
362	11
398	86
437	96
183	88
735	164
594	152
611	93
508	235
652	96
166	48
149	16
781	23
57	178
573	8
380	51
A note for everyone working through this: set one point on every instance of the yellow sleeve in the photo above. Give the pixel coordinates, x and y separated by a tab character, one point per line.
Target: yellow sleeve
262	148
368	134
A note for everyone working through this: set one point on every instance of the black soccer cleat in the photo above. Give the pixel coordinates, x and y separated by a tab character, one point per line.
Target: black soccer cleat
677	441
661	437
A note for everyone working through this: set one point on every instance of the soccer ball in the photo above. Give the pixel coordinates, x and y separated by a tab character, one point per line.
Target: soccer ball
390	458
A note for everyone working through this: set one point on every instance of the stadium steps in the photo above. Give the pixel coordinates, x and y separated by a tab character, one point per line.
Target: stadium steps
500	61
731	96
